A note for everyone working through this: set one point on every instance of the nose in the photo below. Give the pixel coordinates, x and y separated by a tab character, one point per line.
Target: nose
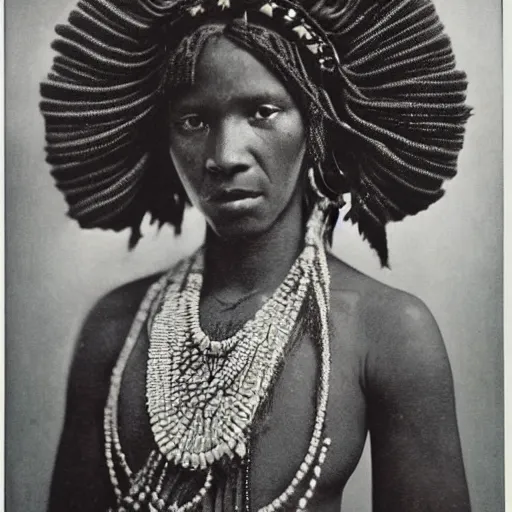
228	151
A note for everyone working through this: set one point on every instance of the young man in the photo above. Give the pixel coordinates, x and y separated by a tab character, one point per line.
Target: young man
248	377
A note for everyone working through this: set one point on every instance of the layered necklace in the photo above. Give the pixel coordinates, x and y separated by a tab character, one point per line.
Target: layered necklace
204	395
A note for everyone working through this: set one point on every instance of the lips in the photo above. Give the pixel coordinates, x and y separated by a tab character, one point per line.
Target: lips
232	194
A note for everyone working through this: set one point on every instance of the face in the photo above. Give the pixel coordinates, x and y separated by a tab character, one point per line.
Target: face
237	140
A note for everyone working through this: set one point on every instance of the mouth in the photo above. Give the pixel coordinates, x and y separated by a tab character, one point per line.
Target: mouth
232	195
235	201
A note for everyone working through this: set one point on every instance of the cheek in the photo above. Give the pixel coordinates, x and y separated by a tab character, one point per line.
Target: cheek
293	139
294	146
186	157
289	151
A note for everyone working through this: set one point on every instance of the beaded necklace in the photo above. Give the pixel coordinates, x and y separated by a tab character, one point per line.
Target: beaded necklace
203	395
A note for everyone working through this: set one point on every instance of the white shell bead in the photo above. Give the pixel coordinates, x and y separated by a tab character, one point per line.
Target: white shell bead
310	270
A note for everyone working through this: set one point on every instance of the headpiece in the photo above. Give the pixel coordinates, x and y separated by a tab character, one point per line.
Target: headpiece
391	98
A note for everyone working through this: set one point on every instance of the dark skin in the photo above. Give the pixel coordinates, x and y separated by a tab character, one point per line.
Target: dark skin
390	374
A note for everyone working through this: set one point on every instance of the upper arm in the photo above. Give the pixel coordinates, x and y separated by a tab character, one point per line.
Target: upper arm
80	479
416	455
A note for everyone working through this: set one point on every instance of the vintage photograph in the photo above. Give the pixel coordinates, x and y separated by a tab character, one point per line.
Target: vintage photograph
254	256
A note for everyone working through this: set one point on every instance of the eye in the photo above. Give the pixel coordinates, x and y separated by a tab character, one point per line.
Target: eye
191	123
266	112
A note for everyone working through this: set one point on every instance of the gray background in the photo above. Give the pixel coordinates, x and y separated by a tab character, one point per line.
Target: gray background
449	256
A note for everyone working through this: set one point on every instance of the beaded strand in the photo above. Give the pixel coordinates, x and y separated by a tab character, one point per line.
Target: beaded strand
177	388
112	442
322	298
191	345
136	497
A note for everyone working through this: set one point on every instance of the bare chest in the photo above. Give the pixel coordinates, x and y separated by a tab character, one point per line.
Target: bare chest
284	432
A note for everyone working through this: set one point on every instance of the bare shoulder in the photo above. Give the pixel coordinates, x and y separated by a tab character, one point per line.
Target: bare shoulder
396	330
85	486
108	322
101	339
408	387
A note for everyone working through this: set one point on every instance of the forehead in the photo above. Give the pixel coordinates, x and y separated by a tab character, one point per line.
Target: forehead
227	72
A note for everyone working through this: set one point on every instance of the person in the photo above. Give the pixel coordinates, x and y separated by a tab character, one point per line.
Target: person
249	375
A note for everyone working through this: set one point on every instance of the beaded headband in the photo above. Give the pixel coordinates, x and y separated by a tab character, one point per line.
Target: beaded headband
292	17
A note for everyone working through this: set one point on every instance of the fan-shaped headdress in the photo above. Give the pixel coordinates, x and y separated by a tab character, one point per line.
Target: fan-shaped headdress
392	100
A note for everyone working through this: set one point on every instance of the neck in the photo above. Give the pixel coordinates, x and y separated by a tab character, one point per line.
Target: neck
255	264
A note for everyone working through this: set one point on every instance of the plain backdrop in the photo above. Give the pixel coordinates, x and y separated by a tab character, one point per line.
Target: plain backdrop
449	256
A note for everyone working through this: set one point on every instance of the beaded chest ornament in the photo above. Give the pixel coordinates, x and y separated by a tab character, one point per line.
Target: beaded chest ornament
203	395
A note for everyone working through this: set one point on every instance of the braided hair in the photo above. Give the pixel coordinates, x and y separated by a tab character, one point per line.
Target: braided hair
386	126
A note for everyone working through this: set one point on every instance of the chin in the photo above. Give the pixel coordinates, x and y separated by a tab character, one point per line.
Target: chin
239	228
